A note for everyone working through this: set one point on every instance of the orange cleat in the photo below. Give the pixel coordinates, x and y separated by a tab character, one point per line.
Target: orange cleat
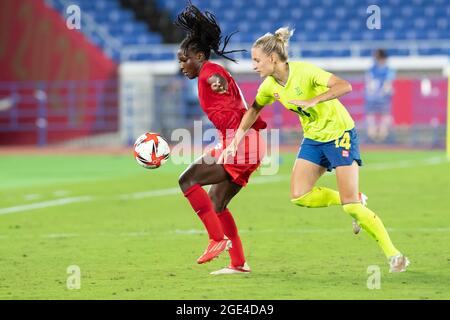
215	248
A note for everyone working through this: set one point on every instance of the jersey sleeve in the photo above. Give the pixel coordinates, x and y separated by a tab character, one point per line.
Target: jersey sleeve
211	69
264	95
208	70
318	76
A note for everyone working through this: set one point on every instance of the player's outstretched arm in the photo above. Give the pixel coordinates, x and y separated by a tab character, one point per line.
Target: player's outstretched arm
247	121
338	87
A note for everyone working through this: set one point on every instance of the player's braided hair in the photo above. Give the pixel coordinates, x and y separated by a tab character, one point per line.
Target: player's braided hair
203	33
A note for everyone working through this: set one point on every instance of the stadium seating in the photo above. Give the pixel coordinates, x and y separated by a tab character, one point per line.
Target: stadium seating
333	20
315	21
113	21
321	19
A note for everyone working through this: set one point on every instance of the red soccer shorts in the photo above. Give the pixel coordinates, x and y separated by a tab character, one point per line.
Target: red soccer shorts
248	157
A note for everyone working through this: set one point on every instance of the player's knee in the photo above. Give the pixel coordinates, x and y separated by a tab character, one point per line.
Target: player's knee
219	206
218	203
186	180
182	181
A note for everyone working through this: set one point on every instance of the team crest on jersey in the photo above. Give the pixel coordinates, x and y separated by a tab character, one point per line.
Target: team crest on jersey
298	91
276	95
345	153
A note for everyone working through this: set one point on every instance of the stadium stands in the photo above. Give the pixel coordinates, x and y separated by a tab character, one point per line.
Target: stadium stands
110	26
324	20
324	28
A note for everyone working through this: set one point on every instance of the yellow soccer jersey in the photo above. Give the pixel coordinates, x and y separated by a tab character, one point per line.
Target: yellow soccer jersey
325	121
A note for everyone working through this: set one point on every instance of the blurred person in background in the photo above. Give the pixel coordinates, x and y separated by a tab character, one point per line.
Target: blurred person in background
379	98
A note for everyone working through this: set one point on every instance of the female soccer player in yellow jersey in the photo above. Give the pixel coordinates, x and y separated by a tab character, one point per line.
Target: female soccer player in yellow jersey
330	139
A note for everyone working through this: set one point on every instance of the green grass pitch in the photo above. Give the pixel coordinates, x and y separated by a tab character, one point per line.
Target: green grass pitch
134	236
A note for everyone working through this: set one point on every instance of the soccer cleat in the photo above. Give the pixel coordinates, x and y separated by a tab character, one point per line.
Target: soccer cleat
356	227
398	263
233	270
363	198
214	249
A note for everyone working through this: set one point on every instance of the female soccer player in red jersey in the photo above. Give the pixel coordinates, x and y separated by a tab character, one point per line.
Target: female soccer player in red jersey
223	103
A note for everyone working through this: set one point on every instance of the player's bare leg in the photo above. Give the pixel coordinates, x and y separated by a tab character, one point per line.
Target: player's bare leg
304	176
204	171
304	193
348	182
222	193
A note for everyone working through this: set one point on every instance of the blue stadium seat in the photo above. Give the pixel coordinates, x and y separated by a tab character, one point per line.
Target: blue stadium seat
98	41
433	51
152	56
443	24
309	54
389	35
119	16
325	53
397	52
366	53
148	39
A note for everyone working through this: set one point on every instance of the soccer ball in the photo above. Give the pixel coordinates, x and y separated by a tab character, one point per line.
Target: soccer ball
151	150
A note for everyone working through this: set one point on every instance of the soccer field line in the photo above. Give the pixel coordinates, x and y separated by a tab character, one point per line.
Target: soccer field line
151	193
45	204
132	196
194	232
174	191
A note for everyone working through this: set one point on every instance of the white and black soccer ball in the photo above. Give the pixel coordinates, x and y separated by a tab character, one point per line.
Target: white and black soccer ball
151	150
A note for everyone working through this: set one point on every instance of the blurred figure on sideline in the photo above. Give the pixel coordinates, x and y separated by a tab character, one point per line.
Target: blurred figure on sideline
379	98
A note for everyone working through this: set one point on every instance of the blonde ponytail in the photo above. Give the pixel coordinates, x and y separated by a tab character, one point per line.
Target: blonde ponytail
278	42
284	34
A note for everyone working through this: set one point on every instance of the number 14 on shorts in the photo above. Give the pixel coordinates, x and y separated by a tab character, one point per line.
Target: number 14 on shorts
344	141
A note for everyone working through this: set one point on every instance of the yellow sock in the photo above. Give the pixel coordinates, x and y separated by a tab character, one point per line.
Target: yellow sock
318	197
373	225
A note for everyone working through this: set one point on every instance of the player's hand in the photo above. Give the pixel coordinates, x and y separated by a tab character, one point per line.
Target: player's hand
218	87
304	104
230	150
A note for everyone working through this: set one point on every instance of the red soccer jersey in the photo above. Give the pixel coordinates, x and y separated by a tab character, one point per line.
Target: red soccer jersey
225	110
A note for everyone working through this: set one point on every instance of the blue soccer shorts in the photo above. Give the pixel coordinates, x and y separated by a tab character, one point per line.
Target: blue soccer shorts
340	152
